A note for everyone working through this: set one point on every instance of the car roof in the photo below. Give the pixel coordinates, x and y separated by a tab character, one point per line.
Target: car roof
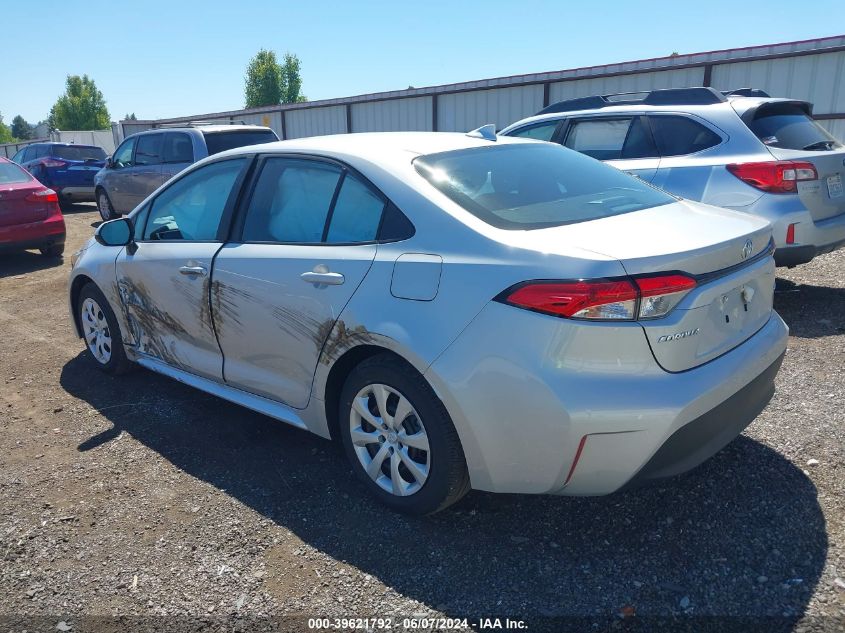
207	128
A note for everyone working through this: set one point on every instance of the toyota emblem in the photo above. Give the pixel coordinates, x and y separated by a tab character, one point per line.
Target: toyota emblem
747	249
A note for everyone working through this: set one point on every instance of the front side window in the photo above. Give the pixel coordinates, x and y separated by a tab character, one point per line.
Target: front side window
178	148
192	207
787	126
123	155
535	185
291	201
611	139
149	149
679	135
540	131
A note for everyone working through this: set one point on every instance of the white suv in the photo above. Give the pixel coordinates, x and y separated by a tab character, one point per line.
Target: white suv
741	149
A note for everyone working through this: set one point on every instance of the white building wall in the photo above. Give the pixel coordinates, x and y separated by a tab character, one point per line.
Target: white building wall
315	121
464	111
393	116
678	78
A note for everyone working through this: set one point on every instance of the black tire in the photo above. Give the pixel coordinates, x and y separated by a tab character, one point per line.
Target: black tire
105	207
117	363
56	250
448	479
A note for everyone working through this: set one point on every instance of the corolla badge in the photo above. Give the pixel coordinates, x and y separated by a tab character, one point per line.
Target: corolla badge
747	249
666	338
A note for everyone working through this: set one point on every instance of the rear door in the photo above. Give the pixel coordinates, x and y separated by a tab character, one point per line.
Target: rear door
178	154
164	283
625	142
307	240
790	134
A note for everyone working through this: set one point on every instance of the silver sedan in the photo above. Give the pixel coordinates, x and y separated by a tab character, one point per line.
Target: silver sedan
461	311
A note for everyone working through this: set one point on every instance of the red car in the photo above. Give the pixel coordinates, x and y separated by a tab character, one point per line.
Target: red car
29	213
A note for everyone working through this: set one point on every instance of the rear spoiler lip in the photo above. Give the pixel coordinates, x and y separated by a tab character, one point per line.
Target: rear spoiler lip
748	116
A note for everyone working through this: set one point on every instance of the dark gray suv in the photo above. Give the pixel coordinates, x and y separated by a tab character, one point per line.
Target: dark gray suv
146	160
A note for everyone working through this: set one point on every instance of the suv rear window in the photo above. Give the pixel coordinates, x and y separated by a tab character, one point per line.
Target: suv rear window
535	185
11	173
221	141
787	126
78	152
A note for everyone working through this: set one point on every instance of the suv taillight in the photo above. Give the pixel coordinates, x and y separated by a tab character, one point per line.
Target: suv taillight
774	176
628	299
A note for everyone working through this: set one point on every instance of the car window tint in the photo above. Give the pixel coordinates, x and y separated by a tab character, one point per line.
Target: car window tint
123	155
28	154
221	141
11	173
787	126
540	131
41	151
291	201
600	138
178	148
357	213
78	152
149	149
191	208
639	142
18	158
678	135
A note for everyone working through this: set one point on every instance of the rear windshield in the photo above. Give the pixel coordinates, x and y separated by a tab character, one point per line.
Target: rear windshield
78	152
788	127
535	185
221	141
11	173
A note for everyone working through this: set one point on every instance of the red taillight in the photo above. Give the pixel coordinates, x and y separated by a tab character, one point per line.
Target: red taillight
49	162
790	234
624	299
774	176
43	195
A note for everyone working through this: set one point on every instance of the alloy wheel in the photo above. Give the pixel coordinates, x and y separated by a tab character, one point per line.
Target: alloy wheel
390	440
104	206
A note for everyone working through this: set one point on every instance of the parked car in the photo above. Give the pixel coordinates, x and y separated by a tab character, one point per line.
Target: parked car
65	168
460	310
144	161
741	150
30	216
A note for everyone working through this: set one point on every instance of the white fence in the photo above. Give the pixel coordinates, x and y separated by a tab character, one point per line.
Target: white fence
103	138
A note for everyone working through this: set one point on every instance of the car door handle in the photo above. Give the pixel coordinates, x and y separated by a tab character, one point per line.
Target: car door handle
329	279
193	270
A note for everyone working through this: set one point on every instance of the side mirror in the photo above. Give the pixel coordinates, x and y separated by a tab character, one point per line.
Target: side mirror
109	162
115	232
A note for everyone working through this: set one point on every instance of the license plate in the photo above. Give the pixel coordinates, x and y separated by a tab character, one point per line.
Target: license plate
834	186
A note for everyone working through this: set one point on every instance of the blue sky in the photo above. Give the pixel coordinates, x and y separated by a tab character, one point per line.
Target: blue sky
161	59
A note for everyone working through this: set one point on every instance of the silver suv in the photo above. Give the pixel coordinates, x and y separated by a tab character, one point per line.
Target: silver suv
740	149
146	160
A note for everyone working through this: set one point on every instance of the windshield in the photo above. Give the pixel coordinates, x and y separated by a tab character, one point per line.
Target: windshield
78	152
11	173
221	141
535	185
787	126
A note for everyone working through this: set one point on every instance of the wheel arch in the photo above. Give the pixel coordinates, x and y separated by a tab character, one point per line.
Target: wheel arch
76	286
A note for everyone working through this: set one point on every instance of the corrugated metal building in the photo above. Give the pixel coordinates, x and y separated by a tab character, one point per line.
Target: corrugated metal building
811	70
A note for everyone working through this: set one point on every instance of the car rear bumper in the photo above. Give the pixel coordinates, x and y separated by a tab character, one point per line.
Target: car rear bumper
33	235
77	194
580	409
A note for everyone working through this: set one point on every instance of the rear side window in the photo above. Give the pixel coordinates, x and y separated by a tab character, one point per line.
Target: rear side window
540	131
221	141
611	139
535	185
18	158
149	149
291	201
356	214
678	135
78	152
178	148
787	126
11	173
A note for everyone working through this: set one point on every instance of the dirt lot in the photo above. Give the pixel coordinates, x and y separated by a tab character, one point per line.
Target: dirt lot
141	497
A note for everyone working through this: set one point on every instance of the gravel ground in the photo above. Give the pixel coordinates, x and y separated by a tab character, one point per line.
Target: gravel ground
139	496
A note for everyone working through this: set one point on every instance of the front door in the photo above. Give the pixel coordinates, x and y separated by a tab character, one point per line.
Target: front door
116	179
307	242
164	283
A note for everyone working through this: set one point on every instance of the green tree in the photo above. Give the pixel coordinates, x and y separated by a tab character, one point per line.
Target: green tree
5	132
292	80
21	129
81	107
264	82
130	117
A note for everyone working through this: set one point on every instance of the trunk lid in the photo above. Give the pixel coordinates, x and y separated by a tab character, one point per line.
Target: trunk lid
729	254
16	209
74	173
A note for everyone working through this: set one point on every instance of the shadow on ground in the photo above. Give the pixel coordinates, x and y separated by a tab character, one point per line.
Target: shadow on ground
705	537
21	262
810	311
